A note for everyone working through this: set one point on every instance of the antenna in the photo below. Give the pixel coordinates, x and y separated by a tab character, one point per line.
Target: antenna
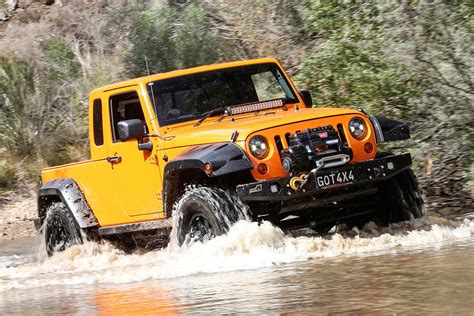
147	68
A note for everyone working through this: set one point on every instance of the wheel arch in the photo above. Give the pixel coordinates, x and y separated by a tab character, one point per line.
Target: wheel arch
189	168
68	192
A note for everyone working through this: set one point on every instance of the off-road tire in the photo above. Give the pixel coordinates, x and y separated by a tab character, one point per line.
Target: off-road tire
61	230
204	213
399	199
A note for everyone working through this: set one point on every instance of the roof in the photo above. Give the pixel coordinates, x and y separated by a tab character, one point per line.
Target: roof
181	72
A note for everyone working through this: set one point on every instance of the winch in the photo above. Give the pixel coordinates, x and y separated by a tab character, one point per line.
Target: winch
308	147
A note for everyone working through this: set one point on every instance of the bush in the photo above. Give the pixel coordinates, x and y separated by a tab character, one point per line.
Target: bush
62	61
170	39
3	176
44	110
37	119
347	66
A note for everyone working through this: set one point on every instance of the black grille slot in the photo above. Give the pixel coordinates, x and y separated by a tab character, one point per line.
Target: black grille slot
287	137
340	129
278	144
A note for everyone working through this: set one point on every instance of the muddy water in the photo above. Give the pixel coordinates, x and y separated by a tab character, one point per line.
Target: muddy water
414	268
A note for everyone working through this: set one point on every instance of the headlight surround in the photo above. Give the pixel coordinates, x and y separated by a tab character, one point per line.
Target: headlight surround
258	146
357	128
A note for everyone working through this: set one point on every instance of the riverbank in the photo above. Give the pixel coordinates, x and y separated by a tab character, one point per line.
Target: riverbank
16	218
17	215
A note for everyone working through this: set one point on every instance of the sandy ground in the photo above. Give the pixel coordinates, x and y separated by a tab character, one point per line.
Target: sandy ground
16	219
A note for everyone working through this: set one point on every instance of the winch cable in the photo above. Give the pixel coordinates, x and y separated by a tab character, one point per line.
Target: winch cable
296	183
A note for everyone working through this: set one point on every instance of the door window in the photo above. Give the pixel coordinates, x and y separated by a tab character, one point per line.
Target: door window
125	106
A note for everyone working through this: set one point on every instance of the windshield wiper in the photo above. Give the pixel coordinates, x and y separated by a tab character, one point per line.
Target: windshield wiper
208	114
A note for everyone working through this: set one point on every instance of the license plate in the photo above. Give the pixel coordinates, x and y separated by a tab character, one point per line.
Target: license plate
335	178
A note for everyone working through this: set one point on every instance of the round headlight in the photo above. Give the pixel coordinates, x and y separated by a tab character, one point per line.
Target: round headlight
357	128
258	147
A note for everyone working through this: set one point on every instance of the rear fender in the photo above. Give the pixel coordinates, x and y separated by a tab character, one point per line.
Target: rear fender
68	192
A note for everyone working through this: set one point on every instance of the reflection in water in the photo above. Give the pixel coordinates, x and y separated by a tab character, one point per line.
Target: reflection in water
143	299
424	271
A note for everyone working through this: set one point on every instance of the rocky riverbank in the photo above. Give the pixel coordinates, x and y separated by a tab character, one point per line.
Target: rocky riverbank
17	214
16	218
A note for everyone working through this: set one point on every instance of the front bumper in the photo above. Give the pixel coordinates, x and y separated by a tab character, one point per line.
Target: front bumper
363	173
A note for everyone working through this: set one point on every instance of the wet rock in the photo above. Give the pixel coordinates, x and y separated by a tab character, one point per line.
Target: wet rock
370	226
11	5
395	226
4	15
7	9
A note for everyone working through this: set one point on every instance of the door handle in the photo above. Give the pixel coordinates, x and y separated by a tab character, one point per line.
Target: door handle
114	159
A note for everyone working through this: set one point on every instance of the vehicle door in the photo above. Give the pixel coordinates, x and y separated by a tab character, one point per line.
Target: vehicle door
136	174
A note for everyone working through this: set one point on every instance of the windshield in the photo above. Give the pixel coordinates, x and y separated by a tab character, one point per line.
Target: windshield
186	98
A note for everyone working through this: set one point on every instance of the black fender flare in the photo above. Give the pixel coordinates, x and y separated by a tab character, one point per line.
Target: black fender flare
225	158
68	192
387	130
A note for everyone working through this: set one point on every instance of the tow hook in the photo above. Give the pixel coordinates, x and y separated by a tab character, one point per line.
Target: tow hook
296	183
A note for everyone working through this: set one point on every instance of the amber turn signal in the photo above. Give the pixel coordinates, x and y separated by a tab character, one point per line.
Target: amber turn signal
262	168
368	147
208	168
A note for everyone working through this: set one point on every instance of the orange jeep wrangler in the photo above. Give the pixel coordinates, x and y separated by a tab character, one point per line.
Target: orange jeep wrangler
210	145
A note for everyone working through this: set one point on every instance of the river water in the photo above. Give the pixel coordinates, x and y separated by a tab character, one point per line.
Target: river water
424	266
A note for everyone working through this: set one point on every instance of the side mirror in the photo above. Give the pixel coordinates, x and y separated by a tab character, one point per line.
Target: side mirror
131	129
308	100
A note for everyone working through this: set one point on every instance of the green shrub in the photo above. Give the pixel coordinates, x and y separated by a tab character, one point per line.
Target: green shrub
3	177
170	39
61	59
348	66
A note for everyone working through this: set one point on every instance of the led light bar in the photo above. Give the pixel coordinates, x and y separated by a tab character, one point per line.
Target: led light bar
255	106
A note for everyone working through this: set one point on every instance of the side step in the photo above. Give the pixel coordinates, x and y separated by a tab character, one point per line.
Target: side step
162	224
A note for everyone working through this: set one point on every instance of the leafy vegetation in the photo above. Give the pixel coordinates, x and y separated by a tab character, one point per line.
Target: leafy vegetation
168	39
349	68
409	59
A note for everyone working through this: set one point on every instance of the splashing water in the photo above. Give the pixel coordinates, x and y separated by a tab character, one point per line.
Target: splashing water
247	245
225	206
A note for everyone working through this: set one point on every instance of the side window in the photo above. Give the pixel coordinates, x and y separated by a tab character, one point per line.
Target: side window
97	121
125	106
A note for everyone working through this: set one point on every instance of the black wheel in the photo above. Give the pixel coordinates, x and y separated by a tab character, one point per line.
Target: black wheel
399	199
60	229
203	213
411	193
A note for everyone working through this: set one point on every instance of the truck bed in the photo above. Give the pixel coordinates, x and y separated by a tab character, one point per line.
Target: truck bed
94	177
